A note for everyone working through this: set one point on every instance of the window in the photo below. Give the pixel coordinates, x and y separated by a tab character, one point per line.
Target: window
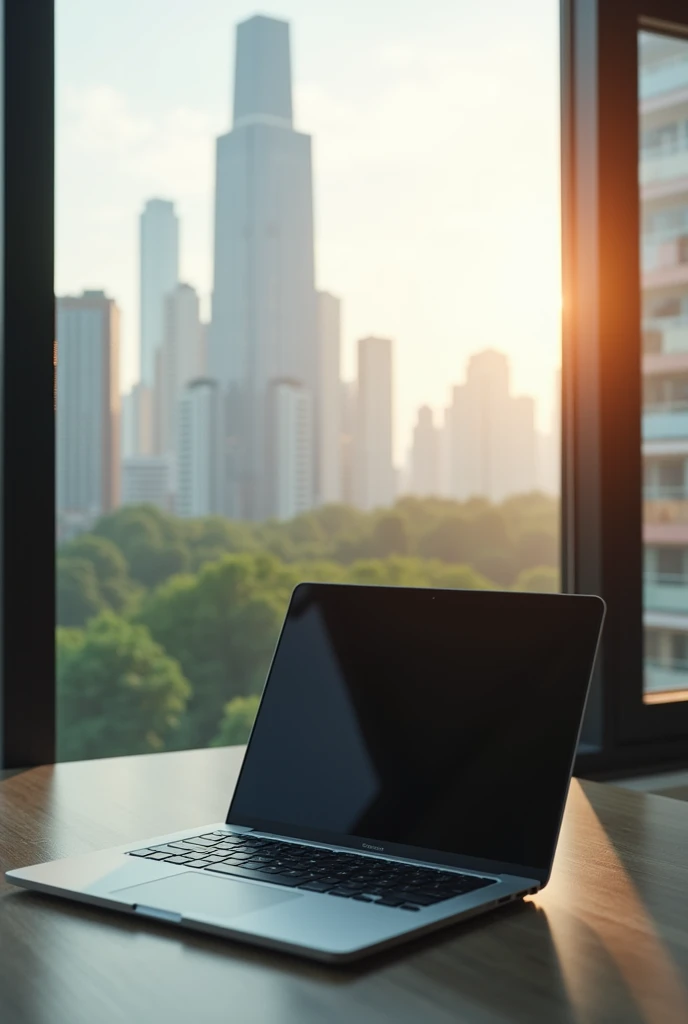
663	174
310	333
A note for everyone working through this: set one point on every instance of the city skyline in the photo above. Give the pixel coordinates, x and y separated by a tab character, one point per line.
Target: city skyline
477	294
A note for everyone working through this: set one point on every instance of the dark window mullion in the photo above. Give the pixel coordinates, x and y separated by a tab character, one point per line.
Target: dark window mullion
27	420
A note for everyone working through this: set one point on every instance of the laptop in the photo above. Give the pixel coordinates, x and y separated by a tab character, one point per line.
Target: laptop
408	768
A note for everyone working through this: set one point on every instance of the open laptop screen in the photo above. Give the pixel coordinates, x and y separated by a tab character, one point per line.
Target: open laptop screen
445	720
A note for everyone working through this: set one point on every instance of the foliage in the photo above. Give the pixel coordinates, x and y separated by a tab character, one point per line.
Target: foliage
237	721
221	626
203	600
118	692
542	579
78	593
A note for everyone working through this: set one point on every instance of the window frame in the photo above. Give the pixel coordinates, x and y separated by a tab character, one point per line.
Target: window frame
601	442
27	418
602	456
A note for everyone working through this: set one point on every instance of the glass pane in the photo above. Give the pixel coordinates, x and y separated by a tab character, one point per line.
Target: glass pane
663	106
308	328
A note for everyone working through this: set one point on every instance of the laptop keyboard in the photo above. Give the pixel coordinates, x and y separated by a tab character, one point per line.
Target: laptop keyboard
346	875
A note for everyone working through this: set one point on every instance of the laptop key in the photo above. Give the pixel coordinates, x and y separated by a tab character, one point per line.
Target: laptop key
178	860
316	886
388	901
408	906
141	853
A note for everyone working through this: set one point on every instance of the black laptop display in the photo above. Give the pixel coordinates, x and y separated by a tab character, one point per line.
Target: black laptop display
439	720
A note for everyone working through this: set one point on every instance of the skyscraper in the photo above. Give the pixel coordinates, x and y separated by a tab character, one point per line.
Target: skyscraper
198	449
492	445
425	455
291	430
347	407
88	408
146	481
180	360
263	305
159	271
374	476
329	438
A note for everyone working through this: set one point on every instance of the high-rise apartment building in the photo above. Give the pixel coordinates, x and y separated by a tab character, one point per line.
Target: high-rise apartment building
663	84
374	475
88	408
146	481
492	443
329	427
347	410
292	449
425	455
198	450
159	272
263	325
180	360
549	447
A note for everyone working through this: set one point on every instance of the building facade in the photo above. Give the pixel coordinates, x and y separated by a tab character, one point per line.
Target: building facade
88	409
159	273
292	449
146	480
425	455
263	326
374	475
329	425
664	248
198	450
491	442
180	360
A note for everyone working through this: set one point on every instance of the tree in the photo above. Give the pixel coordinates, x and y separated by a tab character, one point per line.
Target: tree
537	547
390	536
237	721
117	691
78	594
448	541
543	579
109	565
153	563
222	626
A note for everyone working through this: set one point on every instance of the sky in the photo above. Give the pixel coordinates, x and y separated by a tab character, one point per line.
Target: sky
435	131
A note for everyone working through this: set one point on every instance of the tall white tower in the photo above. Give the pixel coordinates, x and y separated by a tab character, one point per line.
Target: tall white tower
263	325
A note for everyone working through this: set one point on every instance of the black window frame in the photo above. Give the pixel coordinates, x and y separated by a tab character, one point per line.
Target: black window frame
27	386
601	440
602	457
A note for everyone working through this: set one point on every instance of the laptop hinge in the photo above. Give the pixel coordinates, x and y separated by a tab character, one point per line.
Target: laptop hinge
240	829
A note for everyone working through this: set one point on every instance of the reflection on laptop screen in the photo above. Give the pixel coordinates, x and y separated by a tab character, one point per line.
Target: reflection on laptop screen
445	720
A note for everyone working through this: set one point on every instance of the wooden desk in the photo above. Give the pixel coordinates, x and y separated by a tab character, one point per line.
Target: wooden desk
607	941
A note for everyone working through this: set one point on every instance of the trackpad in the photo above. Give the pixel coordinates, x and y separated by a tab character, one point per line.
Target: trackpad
194	894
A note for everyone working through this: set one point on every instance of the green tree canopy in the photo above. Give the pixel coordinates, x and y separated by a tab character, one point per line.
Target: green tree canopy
118	692
109	565
237	721
543	579
221	626
78	593
390	536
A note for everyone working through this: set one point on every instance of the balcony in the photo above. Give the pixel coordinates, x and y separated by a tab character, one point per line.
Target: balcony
665	164
665	421
666	592
665	683
665	505
658	81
